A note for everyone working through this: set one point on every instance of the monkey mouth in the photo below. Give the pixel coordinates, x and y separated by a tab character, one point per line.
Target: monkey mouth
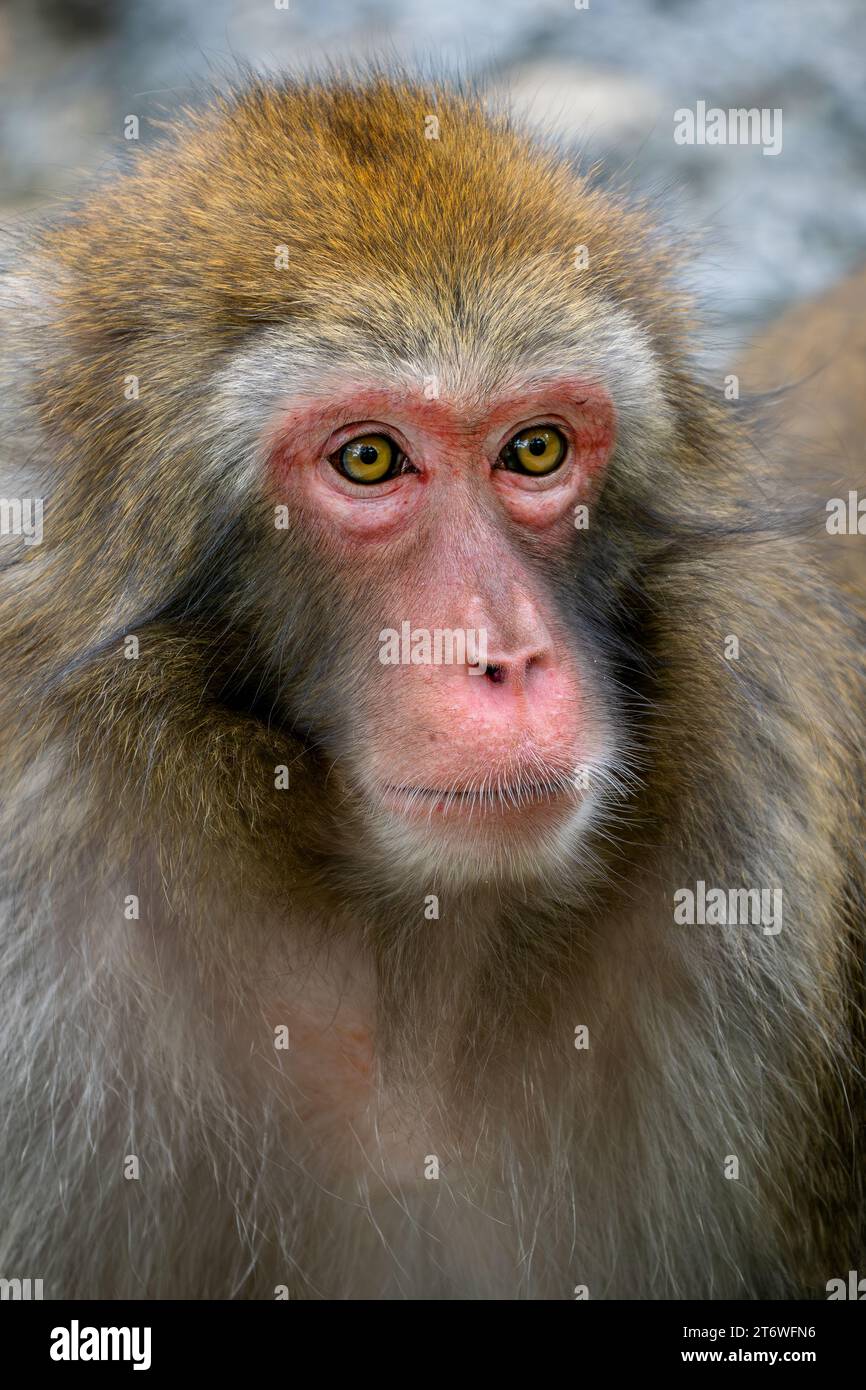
499	799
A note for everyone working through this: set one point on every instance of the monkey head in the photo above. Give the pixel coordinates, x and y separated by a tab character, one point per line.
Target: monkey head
395	397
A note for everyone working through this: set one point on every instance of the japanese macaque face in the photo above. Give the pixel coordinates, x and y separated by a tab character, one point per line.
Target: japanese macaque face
456	688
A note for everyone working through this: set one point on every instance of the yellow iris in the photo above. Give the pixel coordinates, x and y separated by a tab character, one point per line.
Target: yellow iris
368	459
538	450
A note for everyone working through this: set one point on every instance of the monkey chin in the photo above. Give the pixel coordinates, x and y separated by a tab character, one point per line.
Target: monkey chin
524	832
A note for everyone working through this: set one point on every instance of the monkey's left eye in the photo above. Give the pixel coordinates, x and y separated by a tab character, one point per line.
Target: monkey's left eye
371	458
536	451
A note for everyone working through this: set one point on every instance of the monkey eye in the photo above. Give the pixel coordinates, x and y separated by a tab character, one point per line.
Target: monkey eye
371	458
538	450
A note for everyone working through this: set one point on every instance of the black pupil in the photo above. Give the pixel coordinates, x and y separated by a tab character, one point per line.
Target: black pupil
537	445
368	453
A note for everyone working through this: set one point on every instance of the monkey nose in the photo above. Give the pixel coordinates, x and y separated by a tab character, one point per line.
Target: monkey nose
515	669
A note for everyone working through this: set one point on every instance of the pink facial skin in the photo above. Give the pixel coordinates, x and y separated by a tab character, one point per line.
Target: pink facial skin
443	440
496	747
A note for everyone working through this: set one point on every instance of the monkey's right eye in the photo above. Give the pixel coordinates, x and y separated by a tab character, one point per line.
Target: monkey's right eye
371	458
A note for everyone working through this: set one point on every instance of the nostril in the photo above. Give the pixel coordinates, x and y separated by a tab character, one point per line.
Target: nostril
499	672
495	673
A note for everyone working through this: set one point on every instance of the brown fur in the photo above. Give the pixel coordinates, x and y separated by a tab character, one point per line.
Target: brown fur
155	776
814	357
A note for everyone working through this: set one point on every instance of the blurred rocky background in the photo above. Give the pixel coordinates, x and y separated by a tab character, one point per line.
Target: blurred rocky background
605	80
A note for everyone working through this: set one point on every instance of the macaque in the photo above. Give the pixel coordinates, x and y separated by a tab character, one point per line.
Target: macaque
528	965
